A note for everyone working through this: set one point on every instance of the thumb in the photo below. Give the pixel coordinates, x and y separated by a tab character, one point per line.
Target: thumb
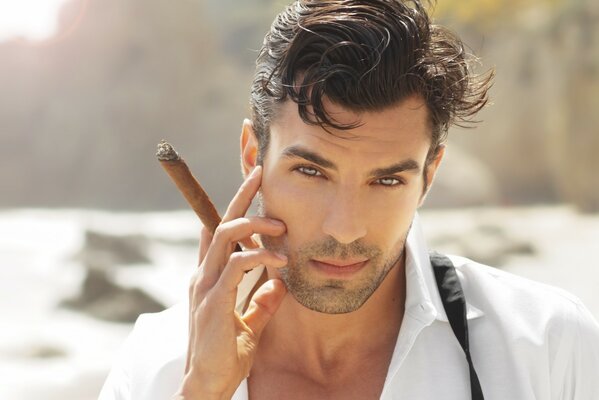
265	302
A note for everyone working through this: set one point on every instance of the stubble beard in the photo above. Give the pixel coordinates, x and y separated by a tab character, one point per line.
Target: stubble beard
331	296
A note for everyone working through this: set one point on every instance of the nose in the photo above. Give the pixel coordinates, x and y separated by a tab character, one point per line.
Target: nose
344	220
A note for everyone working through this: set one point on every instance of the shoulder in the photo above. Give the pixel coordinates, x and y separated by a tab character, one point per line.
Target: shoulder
164	324
535	328
524	304
491	285
151	362
160	337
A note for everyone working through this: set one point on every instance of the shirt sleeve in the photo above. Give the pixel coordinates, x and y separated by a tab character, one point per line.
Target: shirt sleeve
581	378
150	363
117	385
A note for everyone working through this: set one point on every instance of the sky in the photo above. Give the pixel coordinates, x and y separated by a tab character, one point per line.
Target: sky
30	19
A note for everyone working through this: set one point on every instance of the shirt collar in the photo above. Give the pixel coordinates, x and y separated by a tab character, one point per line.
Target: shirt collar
422	296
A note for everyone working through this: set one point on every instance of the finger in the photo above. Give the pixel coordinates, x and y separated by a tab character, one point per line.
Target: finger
229	233
241	262
249	243
204	245
244	196
264	304
190	323
205	240
190	341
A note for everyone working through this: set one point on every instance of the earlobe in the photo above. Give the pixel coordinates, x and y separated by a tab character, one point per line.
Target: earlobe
249	147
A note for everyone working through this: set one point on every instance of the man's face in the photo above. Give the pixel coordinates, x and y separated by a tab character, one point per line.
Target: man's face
347	199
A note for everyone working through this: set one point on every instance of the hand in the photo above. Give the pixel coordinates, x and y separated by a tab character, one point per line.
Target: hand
222	343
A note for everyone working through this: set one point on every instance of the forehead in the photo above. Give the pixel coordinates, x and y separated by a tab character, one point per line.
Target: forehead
402	130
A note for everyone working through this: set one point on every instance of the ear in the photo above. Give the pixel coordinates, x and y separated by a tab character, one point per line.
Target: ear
249	147
431	171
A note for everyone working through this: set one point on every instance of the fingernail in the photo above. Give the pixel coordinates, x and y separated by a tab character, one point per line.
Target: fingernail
268	286
277	222
281	256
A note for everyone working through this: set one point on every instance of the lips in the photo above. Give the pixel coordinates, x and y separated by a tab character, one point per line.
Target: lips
346	263
339	268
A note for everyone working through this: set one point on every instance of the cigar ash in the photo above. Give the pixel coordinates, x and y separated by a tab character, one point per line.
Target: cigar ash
166	152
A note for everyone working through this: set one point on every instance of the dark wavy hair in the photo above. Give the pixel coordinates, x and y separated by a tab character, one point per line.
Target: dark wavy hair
364	55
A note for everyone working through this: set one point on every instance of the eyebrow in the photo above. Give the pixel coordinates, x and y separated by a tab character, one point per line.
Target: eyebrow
409	165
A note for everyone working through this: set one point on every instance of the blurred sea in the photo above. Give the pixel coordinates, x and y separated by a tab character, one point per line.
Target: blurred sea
72	281
51	351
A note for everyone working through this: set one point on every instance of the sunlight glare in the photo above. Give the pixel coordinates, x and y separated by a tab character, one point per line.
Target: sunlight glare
29	19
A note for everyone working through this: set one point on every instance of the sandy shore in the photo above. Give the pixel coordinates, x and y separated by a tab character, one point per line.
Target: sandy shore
52	352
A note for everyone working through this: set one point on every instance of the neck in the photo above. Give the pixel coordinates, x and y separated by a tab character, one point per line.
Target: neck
317	343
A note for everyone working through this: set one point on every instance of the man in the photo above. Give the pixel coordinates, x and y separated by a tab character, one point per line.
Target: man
351	103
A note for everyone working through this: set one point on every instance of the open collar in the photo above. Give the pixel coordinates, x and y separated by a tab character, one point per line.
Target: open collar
422	297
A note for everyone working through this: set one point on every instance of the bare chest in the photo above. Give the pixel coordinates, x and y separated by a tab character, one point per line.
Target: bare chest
366	383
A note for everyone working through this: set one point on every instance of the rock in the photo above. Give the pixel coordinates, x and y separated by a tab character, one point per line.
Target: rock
102	298
45	351
103	250
37	351
487	244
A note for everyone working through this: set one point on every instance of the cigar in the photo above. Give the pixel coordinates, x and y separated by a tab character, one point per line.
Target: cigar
188	185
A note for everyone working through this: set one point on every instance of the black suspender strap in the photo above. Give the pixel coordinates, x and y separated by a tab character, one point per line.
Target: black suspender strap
455	308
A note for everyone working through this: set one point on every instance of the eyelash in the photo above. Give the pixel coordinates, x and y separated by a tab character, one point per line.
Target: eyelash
318	174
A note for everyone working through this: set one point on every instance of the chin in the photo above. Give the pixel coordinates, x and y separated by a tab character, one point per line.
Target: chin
329	296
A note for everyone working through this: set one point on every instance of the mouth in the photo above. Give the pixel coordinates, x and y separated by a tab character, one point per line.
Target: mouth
339	268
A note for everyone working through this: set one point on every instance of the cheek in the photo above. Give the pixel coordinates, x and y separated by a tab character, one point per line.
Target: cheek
388	216
299	208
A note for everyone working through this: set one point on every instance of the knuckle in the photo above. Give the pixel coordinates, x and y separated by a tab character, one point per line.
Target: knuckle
226	230
198	286
193	288
245	222
194	277
193	280
219	230
236	257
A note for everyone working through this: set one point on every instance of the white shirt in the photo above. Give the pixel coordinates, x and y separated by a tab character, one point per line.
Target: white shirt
529	341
